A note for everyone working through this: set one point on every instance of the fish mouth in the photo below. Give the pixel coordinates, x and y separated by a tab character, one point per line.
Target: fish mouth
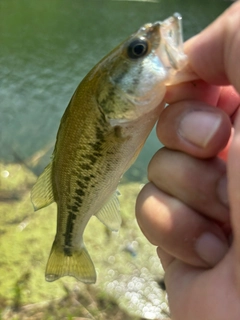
171	46
171	51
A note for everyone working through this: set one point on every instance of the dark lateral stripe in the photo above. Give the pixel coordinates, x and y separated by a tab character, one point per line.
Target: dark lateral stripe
70	225
67	251
78	200
81	184
92	158
86	166
80	192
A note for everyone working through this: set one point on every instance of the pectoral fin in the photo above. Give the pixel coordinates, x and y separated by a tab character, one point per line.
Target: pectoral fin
110	213
42	192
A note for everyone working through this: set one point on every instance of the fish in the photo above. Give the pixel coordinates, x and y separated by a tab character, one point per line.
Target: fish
101	133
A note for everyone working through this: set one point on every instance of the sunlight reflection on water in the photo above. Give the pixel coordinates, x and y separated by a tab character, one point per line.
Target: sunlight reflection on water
140	293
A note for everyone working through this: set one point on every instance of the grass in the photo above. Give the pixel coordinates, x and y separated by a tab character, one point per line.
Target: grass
126	263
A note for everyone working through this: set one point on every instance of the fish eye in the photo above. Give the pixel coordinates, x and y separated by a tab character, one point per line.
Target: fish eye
137	48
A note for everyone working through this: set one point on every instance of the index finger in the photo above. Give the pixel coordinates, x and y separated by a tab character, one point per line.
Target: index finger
223	97
214	57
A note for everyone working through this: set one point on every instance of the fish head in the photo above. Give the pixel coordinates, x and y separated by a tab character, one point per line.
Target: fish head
138	71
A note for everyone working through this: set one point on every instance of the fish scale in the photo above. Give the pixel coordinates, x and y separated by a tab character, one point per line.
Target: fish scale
88	169
101	133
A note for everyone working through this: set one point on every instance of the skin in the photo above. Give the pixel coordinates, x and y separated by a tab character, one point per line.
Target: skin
190	209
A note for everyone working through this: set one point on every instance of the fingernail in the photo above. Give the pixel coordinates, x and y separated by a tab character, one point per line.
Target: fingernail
210	248
198	127
222	190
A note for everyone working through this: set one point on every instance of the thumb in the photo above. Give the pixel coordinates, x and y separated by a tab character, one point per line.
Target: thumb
214	53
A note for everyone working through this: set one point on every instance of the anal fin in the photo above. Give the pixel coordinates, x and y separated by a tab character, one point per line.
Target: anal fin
110	213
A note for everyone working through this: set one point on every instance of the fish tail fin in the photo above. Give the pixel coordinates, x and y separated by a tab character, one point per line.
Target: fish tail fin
75	262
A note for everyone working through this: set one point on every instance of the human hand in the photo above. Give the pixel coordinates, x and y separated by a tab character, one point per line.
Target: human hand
190	208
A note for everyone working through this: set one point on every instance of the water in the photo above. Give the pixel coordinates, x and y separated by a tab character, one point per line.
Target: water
48	46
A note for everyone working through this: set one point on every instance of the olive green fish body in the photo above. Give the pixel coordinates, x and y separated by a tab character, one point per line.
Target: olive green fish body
92	170
101	133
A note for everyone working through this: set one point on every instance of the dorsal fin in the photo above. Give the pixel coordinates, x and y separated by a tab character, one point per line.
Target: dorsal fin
42	192
110	213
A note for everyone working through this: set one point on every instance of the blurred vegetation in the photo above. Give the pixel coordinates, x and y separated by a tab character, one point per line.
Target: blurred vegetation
127	266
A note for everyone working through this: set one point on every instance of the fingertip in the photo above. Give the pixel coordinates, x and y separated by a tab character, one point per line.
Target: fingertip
195	128
211	248
199	127
147	212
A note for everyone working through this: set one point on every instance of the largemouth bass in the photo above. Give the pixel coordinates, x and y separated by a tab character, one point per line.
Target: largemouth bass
101	133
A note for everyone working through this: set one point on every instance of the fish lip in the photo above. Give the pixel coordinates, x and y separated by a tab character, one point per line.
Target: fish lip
171	48
171	53
171	30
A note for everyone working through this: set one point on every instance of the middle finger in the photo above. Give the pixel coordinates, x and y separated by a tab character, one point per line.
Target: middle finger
200	184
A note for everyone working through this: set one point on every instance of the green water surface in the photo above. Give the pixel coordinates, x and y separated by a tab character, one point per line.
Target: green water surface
48	46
